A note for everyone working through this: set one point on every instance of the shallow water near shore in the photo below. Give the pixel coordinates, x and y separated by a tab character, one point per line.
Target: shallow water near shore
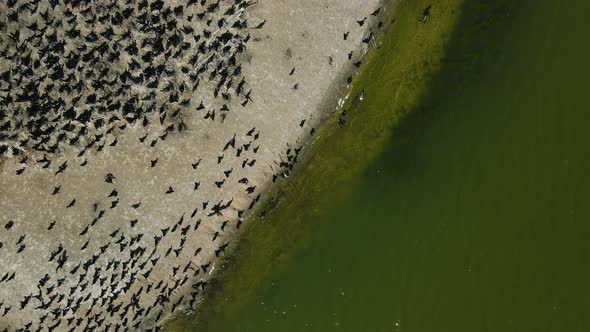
473	218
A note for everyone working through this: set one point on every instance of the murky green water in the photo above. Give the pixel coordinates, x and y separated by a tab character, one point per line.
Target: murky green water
476	217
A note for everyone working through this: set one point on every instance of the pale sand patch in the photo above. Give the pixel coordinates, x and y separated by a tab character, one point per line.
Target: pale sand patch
312	31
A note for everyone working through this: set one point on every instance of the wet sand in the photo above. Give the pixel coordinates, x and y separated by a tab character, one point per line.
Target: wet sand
305	35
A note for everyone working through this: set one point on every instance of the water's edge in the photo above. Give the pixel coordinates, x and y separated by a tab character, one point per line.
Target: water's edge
413	53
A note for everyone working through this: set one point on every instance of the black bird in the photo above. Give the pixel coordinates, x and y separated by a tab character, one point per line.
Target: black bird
376	12
114	203
156	241
109	178
62	167
56	190
154	162
341	122
223	224
197	251
197	184
72	203
170	190
425	14
113	234
228	172
361	22
136	205
231	142
346	35
260	25
292	72
183	231
221	249
196	165
51	226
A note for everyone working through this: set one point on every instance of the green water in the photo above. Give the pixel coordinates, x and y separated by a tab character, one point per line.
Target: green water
476	215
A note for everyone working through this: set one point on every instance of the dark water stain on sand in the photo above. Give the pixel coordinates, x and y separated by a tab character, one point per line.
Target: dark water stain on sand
475	217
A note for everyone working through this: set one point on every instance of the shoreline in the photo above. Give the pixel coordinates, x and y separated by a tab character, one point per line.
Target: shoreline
334	101
420	159
228	293
326	113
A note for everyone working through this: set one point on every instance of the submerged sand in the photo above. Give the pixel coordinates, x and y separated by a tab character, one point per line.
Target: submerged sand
306	35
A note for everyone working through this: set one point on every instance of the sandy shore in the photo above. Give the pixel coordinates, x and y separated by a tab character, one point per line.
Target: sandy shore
306	35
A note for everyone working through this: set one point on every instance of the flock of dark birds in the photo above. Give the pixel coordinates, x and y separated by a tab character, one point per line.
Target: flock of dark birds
77	73
73	75
82	294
